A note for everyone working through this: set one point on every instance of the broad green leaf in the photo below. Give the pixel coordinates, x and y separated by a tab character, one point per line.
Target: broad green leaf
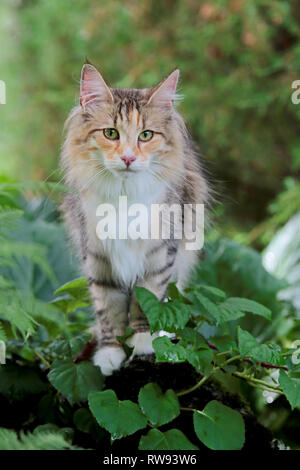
205	307
169	316
160	408
210	289
68	304
201	360
248	346
75	381
239	305
166	351
169	440
78	288
220	427
198	352
119	418
174	293
291	389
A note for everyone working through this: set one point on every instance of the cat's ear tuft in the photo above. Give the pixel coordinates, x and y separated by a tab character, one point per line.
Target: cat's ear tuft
164	94
93	87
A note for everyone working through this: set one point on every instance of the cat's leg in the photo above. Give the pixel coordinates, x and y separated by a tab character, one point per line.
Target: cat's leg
111	307
159	272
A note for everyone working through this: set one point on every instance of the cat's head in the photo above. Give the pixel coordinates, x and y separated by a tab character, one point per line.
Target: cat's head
126	132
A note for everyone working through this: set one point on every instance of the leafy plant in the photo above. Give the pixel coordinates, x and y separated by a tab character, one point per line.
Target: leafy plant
212	324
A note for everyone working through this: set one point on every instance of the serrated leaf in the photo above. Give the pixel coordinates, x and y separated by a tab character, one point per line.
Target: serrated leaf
239	305
219	427
169	316
169	440
211	289
249	347
75	381
160	408
119	418
206	308
291	389
198	353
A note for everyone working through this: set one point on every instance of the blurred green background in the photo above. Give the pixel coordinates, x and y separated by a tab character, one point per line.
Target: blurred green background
238	59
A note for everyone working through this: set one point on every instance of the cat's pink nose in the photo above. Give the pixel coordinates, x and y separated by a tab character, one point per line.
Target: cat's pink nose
128	160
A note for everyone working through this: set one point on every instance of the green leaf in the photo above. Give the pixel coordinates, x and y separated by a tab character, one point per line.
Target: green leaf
210	289
75	381
18	382
169	440
67	304
50	440
78	288
291	389
205	307
224	343
239	305
201	360
166	351
219	427
160	408
248	346
119	418
169	316
84	420
198	353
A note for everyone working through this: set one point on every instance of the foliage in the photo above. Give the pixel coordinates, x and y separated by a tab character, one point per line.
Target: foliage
213	323
237	60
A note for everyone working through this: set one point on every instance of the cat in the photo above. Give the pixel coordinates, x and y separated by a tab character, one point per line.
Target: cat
133	143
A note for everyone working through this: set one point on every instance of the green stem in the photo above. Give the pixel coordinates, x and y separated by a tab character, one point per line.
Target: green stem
44	361
253	380
206	377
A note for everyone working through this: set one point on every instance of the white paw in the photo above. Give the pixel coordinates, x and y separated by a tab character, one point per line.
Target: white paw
142	343
163	333
109	358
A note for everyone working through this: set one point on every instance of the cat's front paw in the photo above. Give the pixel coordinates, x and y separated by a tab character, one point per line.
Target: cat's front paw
109	358
142	343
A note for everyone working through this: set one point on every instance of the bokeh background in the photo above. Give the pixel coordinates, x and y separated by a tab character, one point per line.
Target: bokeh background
238	59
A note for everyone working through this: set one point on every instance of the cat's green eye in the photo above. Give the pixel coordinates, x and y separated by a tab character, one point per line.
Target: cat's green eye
111	134
145	136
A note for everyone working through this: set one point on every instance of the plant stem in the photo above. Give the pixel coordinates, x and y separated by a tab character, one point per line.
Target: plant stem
253	380
206	377
44	361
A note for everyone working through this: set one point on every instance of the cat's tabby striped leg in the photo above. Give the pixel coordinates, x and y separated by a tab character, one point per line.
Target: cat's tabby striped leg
111	307
159	273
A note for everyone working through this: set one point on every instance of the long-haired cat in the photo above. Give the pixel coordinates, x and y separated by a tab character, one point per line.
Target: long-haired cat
127	142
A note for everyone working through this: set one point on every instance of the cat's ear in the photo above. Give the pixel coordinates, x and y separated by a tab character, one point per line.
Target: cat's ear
164	94
93	87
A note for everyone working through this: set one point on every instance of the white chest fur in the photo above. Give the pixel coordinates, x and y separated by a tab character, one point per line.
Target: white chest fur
127	256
